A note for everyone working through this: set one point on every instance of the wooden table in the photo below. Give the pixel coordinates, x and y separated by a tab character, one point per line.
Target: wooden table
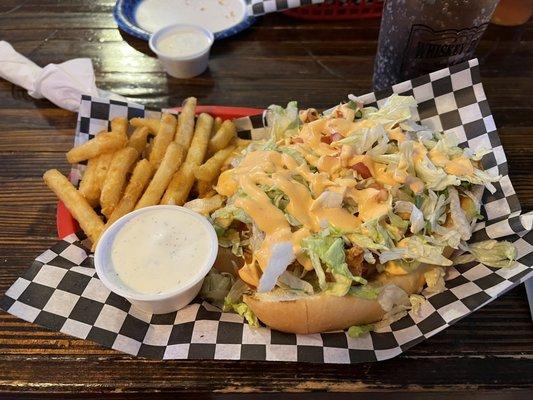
488	354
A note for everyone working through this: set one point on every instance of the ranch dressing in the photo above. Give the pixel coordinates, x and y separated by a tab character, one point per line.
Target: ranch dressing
182	43
160	251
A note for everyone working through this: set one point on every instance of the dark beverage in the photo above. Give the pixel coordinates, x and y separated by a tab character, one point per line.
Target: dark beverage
420	36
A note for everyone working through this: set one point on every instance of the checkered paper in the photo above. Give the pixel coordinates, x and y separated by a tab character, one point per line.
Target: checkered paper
61	291
261	7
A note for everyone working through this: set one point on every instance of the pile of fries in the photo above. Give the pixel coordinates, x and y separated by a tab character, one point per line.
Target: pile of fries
164	161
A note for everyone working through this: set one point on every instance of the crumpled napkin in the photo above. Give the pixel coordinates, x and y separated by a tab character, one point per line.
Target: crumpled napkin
62	84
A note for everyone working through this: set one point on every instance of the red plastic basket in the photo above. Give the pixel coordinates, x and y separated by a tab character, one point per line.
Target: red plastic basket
338	10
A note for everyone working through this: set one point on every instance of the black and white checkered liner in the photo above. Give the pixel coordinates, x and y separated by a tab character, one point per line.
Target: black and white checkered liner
61	291
261	7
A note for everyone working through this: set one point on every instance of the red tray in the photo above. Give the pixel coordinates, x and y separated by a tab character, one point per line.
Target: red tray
338	10
67	225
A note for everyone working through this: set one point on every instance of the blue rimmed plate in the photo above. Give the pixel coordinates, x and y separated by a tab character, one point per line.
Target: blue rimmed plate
231	16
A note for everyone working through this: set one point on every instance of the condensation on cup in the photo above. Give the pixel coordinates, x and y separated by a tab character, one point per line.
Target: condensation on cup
420	36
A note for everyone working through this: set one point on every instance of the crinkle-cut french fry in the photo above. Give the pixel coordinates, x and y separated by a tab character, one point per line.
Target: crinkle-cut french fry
210	170
185	129
139	139
222	138
169	165
116	179
102	167
165	135
89	187
119	126
80	209
217	123
105	142
151	123
205	206
182	181
142	173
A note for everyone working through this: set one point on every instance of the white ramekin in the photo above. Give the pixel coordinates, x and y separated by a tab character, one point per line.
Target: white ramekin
154	303
182	66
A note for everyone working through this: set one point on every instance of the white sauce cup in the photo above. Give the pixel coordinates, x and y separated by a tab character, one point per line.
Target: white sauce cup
160	303
184	66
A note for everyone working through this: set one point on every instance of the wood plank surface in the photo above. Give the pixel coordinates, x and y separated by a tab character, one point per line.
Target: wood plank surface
489	354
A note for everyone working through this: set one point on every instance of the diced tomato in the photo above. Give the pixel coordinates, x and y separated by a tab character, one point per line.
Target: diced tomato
331	138
362	169
325	139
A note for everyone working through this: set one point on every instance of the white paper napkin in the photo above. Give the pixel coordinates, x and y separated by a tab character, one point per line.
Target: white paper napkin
62	84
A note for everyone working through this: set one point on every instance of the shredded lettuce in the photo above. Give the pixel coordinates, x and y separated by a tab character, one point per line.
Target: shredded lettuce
395	302
244	311
411	126
233	302
368	292
459	219
380	148
416	301
329	249
225	215
216	287
293	153
290	281
340	287
392	296
359	330
230	238
283	122
483	178
364	242
319	271
478	154
377	233
434	177
277	197
435	280
492	253
434	208
416	218
392	254
448	145
404	161
363	140
447	236
418	248
398	222
235	293
327	199
396	109
369	257
292	220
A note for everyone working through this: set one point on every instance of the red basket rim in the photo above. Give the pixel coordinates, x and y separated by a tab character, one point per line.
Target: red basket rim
337	11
